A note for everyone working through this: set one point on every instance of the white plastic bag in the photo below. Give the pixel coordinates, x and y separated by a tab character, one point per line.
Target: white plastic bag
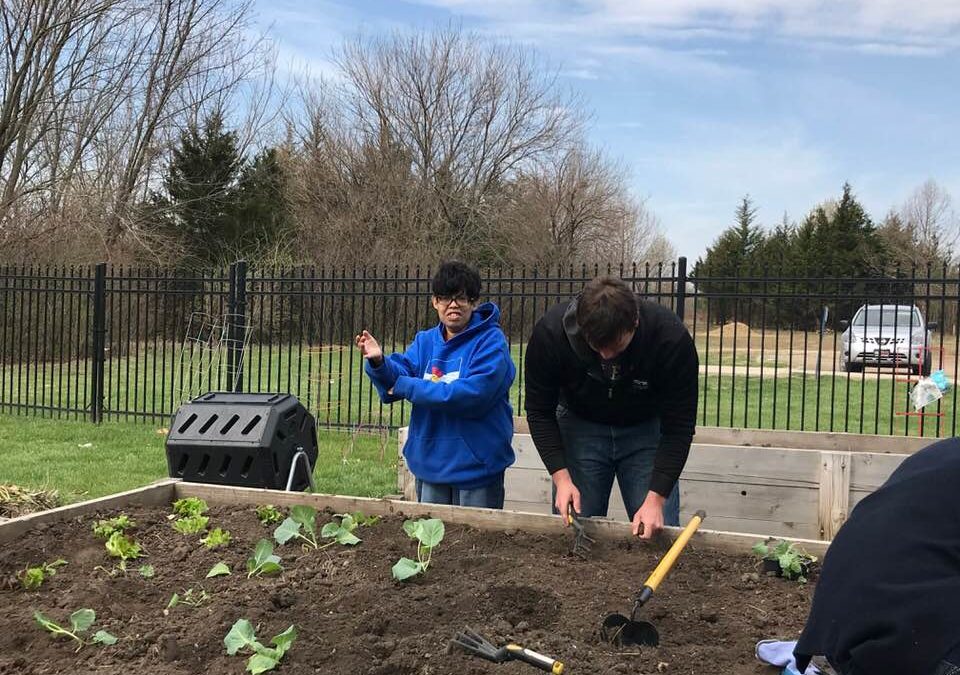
924	393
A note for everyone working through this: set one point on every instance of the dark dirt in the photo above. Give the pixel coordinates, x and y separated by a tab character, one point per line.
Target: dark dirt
354	619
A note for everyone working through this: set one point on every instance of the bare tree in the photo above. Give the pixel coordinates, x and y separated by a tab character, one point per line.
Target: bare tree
466	116
94	92
576	207
931	223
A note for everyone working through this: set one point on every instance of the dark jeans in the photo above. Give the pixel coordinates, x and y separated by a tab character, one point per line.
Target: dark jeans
947	668
596	453
488	497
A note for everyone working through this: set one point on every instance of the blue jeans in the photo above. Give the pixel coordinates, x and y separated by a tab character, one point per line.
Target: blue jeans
596	453
487	497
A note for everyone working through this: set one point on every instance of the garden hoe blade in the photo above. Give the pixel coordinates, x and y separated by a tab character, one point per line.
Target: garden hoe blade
474	643
581	540
623	632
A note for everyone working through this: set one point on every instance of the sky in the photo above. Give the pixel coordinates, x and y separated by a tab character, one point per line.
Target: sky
705	101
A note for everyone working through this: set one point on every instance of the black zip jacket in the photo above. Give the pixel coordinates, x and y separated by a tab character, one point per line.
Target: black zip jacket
656	376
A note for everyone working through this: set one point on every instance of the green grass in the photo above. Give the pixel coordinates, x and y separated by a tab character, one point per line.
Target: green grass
853	404
84	460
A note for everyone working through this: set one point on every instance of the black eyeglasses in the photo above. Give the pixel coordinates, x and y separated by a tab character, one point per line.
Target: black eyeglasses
460	299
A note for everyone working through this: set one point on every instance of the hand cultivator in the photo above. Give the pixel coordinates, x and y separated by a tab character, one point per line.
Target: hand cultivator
581	540
474	643
621	631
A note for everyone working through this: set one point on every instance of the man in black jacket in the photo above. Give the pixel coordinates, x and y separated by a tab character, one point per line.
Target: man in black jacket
888	597
611	391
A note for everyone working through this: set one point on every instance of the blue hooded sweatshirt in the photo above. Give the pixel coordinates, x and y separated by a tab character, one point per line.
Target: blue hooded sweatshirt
461	424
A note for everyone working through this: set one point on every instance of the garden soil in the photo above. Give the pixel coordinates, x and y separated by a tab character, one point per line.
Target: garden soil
354	619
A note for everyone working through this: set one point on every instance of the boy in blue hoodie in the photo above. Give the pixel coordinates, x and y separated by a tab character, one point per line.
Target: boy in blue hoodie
457	375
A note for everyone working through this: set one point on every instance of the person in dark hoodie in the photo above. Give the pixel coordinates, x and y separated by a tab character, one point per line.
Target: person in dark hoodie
457	375
888	597
611	391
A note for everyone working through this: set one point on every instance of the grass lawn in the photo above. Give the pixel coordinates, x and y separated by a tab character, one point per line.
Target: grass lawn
83	460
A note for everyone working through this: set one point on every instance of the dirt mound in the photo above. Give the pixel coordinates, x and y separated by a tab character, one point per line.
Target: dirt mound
730	329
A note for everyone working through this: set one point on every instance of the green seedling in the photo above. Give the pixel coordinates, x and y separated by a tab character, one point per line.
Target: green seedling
191	524
147	571
103	529
263	561
189	506
188	598
216	538
301	524
33	577
794	562
268	514
365	521
243	637
428	533
218	570
122	546
80	622
341	532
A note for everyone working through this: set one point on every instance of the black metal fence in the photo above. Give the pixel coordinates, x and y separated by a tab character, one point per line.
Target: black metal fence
107	343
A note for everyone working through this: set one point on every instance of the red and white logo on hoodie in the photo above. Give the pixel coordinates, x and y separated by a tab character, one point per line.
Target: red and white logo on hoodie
443	371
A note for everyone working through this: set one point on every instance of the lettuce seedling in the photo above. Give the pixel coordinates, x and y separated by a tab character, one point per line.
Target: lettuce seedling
268	514
190	506
102	529
191	524
242	636
342	532
122	546
80	622
301	524
146	571
33	577
428	533
263	561
216	538
365	521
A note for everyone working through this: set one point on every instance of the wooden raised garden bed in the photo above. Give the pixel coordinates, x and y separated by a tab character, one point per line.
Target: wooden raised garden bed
508	575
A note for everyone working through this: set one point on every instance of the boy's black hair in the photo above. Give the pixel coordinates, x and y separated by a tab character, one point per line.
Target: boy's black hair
607	309
453	278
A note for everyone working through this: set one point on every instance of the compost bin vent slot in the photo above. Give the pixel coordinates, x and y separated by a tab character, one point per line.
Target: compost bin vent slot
251	424
190	420
229	425
208	423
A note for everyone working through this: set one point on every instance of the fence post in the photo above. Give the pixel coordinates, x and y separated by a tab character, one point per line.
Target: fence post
681	289
99	342
237	308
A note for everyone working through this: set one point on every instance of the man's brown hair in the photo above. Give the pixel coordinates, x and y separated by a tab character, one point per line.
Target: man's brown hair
606	310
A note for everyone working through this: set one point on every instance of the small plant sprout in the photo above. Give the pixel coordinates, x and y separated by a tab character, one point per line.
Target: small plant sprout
428	533
146	571
301	524
80	622
216	538
191	524
365	521
102	529
189	506
341	532
219	570
189	598
794	562
124	547
242	637
33	577
263	561
268	514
